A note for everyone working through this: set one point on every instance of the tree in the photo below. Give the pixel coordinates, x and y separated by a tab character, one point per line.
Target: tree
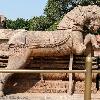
89	2
10	24
55	9
19	23
40	23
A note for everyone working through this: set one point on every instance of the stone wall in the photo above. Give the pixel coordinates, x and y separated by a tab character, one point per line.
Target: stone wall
2	21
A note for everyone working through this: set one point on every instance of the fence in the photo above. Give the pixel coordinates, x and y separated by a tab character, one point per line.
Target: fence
88	74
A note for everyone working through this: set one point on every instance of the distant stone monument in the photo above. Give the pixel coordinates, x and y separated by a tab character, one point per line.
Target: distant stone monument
2	21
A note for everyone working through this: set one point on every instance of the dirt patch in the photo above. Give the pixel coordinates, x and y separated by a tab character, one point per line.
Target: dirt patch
31	83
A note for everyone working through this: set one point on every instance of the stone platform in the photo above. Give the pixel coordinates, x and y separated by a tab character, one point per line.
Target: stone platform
47	96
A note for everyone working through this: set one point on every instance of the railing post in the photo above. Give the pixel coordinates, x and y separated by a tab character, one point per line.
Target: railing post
88	78
70	75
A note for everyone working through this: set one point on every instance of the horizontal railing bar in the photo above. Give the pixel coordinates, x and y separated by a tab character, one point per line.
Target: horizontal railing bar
95	71
41	71
46	71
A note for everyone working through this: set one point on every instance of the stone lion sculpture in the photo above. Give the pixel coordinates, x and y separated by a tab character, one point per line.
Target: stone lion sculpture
67	39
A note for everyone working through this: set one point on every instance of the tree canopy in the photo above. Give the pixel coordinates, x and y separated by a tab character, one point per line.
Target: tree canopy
40	23
55	9
19	23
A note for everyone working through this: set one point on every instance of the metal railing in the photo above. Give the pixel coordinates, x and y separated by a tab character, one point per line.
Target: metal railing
88	75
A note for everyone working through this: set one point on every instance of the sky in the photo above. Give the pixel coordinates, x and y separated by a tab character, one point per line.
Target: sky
13	9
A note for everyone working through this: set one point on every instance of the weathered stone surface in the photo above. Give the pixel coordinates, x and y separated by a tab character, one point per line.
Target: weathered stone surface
2	21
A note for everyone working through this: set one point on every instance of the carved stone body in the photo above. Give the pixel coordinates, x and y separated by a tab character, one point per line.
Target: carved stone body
67	39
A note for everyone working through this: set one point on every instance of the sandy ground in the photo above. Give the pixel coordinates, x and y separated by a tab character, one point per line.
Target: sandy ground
25	85
48	90
47	96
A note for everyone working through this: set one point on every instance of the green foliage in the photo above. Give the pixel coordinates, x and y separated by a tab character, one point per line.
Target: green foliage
54	25
89	2
55	9
19	23
40	23
10	24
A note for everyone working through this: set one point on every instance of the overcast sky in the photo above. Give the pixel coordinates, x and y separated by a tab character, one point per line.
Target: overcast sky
26	9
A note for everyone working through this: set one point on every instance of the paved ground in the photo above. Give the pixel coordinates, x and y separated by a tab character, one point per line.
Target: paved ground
47	96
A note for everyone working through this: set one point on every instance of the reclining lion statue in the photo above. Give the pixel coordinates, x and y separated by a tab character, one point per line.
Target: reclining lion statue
67	39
